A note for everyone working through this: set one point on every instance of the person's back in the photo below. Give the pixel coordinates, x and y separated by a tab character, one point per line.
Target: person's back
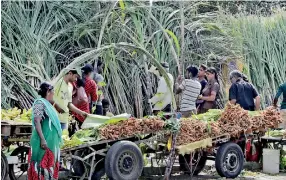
244	93
191	92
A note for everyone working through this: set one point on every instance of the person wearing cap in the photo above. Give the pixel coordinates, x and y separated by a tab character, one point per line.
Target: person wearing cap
243	93
63	97
281	90
210	92
190	87
89	85
163	97
84	94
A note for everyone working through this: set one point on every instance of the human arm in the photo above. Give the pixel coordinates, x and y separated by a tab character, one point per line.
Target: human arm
38	111
278	94
256	97
76	110
233	94
161	90
57	107
180	85
93	91
257	103
214	91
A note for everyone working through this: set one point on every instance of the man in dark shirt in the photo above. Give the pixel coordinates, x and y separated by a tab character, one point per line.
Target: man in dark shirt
243	93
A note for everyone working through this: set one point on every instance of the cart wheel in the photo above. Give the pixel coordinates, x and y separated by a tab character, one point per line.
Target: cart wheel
198	162
16	171
4	166
124	161
229	160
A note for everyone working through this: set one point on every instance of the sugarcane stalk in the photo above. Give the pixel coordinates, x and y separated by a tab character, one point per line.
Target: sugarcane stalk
171	157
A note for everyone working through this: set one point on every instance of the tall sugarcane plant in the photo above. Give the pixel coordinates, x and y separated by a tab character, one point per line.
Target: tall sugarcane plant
40	39
263	42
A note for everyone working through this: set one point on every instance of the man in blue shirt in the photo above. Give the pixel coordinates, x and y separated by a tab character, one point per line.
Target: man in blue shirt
281	90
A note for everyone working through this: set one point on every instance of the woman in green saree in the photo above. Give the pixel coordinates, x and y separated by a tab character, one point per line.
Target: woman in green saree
46	138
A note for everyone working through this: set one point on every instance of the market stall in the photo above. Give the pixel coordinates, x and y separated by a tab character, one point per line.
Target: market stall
16	129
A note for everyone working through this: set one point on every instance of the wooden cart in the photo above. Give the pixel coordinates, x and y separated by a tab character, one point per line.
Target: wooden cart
15	134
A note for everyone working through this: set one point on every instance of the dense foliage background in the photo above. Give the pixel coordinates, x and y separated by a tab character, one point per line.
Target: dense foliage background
40	38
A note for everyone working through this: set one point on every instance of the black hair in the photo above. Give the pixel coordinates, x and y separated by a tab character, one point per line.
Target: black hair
99	62
44	89
73	71
213	71
244	77
204	67
80	83
105	102
193	70
87	69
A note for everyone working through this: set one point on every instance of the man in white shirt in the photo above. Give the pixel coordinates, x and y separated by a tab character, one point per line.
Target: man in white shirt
190	87
162	100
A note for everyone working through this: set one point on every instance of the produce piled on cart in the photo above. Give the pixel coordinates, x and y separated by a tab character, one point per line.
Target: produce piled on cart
212	129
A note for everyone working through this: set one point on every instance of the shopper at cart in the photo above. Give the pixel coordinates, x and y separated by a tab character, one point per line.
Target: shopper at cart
282	90
243	93
46	137
190	87
80	100
89	85
163	98
210	92
63	97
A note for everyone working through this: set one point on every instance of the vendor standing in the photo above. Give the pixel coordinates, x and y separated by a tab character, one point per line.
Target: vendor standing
190	87
63	97
163	97
243	93
210	92
281	90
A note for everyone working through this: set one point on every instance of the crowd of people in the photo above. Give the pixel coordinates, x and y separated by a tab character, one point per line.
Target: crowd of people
200	88
77	93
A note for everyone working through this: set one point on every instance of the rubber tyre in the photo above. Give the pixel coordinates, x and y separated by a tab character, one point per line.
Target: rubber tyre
200	166
16	152
98	174
118	156
78	167
4	166
223	152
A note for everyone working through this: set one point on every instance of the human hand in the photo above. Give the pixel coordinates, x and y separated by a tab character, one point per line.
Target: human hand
44	144
179	78
83	114
200	97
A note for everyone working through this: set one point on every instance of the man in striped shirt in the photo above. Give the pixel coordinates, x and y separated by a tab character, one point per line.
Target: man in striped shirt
190	87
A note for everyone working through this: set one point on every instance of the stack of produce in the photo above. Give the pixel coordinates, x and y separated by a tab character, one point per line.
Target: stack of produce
128	128
192	130
17	115
272	118
234	120
215	129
